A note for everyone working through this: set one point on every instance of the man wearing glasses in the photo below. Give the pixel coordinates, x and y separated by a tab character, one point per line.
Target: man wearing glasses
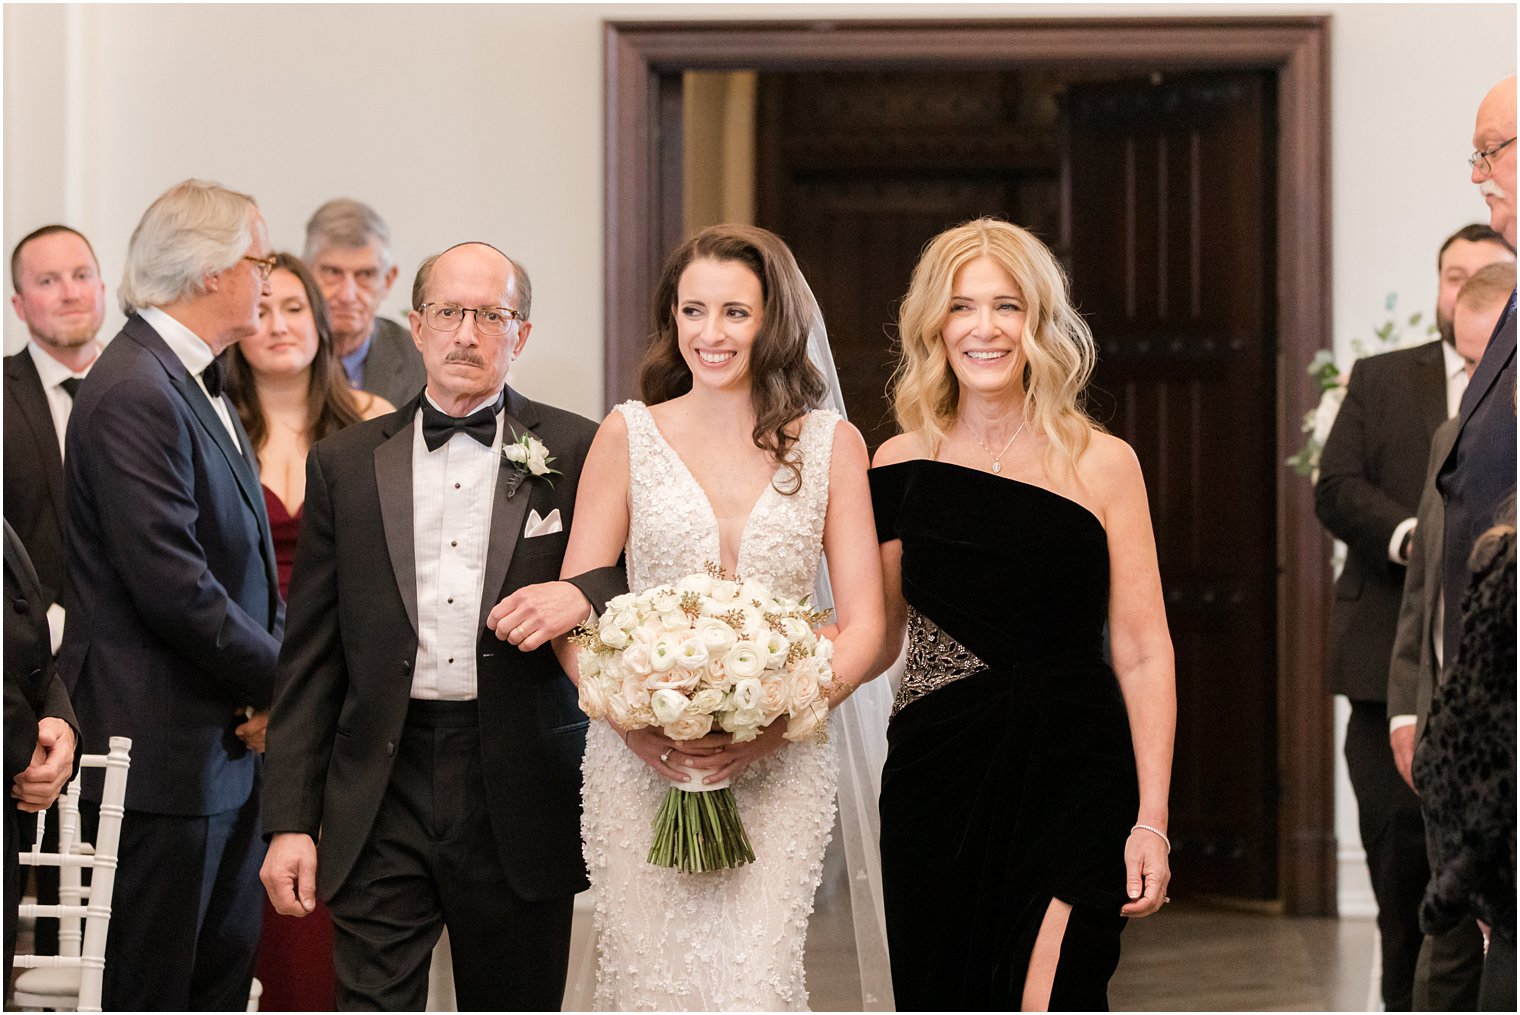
348	248
422	724
175	622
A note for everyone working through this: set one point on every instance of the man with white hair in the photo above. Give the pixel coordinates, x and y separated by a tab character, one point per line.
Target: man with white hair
176	619
348	248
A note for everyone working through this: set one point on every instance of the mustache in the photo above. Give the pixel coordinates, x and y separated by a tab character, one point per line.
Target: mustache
467	356
1488	188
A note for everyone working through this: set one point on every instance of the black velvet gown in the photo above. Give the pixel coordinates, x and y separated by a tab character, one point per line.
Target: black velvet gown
1010	773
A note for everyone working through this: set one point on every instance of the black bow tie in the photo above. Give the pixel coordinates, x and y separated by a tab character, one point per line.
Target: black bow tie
211	377
439	426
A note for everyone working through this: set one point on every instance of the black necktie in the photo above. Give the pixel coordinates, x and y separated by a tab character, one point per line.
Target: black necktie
70	385
439	426
211	377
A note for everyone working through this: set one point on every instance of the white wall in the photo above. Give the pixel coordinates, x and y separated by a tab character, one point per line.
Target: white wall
485	122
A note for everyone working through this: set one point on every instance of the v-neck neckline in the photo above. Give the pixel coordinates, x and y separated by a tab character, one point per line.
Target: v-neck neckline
707	500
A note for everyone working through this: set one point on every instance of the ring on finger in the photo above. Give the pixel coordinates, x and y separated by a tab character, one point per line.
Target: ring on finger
518	630
665	758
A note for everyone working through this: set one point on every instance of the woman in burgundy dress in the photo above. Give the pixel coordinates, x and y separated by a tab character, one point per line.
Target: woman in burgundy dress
1024	796
290	391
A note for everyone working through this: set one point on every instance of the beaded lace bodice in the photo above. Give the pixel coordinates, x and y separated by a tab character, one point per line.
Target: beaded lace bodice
731	940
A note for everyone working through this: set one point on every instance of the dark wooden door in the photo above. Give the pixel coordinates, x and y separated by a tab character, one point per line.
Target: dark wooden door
857	171
1171	223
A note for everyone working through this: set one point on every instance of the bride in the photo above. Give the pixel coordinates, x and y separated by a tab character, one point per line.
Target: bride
730	462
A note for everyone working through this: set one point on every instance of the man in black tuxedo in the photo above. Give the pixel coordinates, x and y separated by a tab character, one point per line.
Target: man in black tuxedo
348	248
1372	472
62	301
1479	472
40	730
439	763
176	617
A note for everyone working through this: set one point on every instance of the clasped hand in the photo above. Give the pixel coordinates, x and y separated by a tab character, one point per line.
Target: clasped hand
710	759
536	614
39	784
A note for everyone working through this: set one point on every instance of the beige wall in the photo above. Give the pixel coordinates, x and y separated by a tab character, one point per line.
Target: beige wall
486	122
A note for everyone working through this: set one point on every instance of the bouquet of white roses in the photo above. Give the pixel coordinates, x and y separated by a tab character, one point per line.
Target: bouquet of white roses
706	653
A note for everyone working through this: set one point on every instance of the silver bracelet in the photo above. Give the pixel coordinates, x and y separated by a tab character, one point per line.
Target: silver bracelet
1157	831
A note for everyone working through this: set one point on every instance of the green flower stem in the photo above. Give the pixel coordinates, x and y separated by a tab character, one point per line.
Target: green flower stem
697	832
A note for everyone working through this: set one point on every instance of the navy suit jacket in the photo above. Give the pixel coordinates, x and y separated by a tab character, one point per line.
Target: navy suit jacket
176	618
1480	470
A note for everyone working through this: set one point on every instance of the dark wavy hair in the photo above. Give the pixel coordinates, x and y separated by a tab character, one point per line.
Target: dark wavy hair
330	402
784	383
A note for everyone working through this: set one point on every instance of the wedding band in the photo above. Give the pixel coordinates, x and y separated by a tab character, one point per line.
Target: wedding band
518	630
666	756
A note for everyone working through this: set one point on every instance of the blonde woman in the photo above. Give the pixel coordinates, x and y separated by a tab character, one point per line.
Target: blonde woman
1024	798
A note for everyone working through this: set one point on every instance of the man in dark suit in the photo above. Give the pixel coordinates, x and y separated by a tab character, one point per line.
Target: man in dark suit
439	763
1372	472
1479	472
176	620
40	730
348	248
1449	964
62	301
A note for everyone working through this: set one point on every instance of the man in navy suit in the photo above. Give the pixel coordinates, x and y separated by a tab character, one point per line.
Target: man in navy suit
1479	472
176	618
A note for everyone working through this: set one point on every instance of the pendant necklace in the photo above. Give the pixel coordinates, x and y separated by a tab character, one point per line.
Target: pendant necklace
997	459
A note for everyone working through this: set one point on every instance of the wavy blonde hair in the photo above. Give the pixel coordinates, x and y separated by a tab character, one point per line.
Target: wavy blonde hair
1056	347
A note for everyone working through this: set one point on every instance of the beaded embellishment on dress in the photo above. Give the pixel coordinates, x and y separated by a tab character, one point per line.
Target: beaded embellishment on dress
934	660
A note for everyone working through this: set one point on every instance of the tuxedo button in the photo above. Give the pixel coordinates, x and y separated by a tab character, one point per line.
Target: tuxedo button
453	542
19	605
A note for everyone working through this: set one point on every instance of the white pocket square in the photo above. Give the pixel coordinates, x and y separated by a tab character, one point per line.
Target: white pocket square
543	526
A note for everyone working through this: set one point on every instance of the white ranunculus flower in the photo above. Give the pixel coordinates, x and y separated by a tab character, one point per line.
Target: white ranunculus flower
796	629
707	700
747	694
627	619
663	652
776	647
622	602
668	705
675	620
753	590
717	636
744	660
701	584
723	590
612	635
824	650
692	654
664	599
743	723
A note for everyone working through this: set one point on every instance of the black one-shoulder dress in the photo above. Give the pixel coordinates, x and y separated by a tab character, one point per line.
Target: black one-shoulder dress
1010	773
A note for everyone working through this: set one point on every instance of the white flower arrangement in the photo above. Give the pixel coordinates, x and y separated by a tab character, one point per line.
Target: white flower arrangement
529	455
706	653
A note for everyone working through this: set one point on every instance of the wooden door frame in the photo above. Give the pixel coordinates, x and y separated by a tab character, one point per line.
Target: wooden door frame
643	169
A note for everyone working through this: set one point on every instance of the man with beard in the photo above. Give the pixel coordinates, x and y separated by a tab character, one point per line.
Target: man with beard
1372	473
62	301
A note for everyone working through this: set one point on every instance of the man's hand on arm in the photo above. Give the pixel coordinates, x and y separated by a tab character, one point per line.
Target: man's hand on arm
1401	739
52	762
536	614
290	873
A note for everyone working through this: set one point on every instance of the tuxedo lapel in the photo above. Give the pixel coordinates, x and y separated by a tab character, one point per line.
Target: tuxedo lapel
393	477
509	513
266	534
1500	351
1429	388
31	401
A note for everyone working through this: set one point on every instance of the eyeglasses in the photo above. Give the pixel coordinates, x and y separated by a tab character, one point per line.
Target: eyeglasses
1479	160
491	321
265	265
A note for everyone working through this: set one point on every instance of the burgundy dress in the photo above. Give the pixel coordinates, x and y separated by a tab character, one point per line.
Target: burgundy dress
295	958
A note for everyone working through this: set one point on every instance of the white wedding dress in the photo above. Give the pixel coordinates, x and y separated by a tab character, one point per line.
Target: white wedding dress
728	940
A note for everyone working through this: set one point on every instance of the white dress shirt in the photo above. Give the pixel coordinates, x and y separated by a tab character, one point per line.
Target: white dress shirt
60	404
196	355
453	492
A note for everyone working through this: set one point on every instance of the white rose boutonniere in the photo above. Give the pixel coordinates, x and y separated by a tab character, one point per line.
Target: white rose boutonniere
529	456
